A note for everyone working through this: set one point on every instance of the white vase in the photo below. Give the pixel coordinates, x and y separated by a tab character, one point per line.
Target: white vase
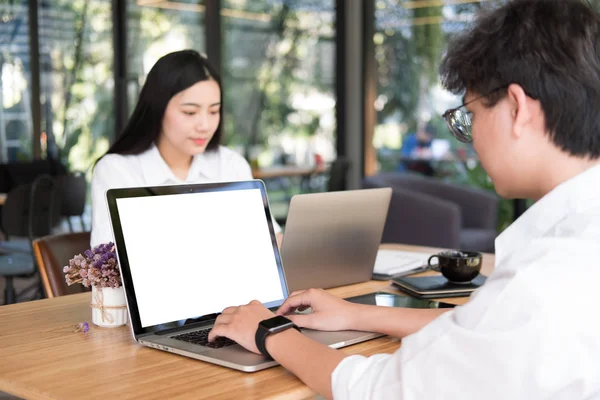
109	308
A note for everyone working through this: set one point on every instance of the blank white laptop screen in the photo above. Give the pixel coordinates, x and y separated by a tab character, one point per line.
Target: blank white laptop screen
197	253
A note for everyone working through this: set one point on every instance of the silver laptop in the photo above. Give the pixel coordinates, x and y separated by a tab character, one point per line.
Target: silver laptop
331	239
187	252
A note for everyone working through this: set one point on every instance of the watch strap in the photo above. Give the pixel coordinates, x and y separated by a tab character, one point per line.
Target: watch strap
260	338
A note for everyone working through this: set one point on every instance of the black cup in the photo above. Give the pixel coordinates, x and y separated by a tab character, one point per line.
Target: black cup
457	266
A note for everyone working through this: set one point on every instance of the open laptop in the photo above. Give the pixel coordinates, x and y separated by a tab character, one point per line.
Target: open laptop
186	252
331	239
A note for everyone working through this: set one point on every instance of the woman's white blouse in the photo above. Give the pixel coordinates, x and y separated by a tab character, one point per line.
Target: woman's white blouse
150	169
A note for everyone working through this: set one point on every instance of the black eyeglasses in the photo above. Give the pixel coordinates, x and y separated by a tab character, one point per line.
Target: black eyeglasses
459	119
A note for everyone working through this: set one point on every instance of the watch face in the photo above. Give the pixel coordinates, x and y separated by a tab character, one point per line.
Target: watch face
276	322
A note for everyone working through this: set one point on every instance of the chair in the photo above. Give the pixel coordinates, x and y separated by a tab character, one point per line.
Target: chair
73	189
14	174
30	211
20	173
52	253
428	212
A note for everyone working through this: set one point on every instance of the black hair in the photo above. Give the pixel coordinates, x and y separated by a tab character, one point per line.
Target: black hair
171	74
551	48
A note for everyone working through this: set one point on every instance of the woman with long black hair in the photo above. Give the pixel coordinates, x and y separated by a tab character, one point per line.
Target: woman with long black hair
172	137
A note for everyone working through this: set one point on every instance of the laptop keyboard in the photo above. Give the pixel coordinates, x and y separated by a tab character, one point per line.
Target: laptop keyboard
201	337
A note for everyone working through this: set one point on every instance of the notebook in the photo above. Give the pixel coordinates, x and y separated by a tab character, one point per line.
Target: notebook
186	252
395	263
433	287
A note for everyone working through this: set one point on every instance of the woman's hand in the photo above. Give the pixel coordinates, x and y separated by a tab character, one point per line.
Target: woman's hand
329	313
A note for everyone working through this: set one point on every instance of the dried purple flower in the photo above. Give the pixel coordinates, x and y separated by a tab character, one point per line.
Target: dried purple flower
96	267
82	327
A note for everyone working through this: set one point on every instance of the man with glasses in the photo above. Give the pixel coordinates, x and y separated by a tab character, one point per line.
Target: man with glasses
530	74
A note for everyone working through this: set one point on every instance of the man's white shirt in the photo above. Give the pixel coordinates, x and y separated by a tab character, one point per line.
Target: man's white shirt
150	169
532	331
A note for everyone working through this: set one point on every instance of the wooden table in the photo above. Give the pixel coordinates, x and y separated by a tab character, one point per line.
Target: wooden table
2	198
41	357
287	171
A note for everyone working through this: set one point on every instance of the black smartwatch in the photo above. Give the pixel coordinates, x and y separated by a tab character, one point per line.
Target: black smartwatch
269	327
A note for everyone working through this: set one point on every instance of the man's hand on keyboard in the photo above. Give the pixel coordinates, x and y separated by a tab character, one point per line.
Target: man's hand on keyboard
239	324
329	313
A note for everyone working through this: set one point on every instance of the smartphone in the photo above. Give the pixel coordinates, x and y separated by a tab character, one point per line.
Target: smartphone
395	300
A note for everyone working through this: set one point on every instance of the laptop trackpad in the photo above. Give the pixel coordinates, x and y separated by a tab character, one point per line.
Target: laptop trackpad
339	339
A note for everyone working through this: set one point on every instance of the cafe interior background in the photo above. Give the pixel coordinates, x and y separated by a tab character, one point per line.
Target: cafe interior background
306	83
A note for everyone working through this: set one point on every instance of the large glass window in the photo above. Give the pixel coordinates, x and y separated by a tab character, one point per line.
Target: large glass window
16	136
279	97
76	67
279	76
155	28
410	134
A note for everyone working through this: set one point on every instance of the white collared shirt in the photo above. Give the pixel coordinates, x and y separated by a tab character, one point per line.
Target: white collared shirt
150	169
531	332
